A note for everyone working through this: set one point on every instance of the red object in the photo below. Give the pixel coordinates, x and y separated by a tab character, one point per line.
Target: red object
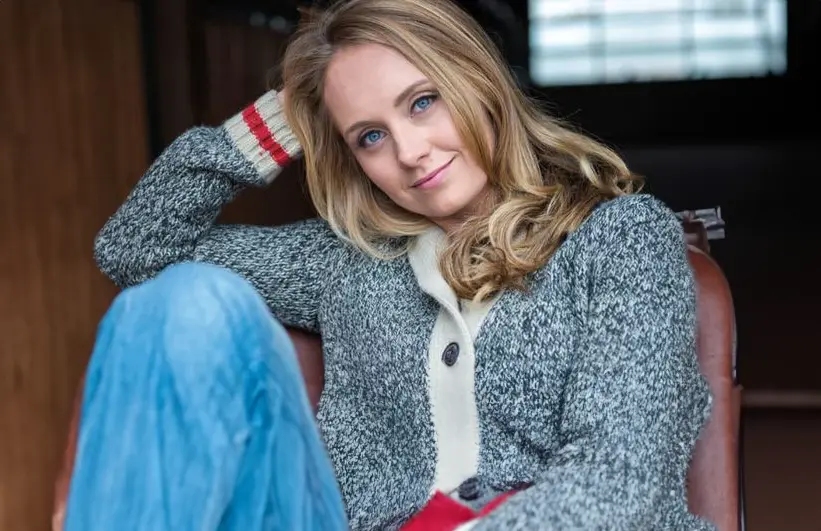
264	136
443	513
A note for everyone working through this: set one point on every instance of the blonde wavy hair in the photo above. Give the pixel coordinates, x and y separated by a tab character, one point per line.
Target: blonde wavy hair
545	177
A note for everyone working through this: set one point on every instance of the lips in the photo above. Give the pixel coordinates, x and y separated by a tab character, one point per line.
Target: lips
431	175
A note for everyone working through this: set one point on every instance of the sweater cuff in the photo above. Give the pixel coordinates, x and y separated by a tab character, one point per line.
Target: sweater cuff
261	133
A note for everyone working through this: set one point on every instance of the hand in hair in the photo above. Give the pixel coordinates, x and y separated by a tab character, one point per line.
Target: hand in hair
282	96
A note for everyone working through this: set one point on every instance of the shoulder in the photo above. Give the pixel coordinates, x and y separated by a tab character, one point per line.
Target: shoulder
317	235
636	227
311	234
617	218
629	235
312	228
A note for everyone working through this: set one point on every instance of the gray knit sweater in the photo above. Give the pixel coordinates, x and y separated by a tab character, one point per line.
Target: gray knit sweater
587	386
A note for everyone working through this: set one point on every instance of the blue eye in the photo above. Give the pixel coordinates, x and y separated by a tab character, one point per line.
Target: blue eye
424	102
370	138
420	104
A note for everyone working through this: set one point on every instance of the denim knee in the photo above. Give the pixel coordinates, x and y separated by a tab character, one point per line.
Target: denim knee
196	283
202	318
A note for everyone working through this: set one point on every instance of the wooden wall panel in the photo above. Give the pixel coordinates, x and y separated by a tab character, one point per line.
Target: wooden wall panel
171	54
72	143
240	63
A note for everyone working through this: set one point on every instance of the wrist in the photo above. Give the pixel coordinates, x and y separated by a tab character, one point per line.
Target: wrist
261	133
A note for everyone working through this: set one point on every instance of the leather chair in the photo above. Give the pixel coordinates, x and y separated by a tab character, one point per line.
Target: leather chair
715	482
715	478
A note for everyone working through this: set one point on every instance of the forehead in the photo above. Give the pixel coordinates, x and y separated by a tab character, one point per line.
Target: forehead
363	81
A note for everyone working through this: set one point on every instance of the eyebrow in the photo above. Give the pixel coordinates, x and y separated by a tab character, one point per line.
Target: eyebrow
396	103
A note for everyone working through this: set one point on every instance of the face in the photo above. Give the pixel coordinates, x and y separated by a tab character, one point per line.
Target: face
401	133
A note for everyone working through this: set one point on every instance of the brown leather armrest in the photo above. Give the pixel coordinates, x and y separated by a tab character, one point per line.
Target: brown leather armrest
713	474
309	354
64	476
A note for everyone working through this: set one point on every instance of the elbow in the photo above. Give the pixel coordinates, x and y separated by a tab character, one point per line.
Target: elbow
108	257
655	499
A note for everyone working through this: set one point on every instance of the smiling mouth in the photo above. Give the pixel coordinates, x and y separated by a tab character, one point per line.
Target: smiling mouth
431	175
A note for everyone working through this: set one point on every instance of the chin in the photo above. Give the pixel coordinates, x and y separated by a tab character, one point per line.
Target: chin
454	205
445	205
444	212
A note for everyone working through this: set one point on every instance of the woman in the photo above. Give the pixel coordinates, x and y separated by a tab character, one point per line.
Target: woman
508	329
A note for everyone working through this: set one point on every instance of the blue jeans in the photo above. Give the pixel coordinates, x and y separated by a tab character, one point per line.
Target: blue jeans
195	416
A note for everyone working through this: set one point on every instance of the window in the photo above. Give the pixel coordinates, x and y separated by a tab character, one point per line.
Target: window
617	41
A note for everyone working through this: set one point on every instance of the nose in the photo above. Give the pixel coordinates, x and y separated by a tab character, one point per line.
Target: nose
412	145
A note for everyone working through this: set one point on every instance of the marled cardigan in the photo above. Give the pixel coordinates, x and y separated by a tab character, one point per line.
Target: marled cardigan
586	386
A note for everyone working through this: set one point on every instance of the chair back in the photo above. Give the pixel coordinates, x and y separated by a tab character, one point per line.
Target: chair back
714	486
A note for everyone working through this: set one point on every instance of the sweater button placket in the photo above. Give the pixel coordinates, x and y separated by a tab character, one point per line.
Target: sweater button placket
450	354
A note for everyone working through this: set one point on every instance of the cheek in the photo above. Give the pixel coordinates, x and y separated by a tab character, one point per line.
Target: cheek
446	135
449	139
381	173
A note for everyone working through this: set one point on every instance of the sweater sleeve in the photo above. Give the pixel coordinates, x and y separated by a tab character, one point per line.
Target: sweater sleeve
169	217
634	400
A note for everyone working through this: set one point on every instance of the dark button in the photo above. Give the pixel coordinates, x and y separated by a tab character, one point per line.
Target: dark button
469	489
451	354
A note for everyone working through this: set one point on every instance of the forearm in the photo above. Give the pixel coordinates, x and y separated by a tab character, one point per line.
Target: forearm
175	204
579	495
